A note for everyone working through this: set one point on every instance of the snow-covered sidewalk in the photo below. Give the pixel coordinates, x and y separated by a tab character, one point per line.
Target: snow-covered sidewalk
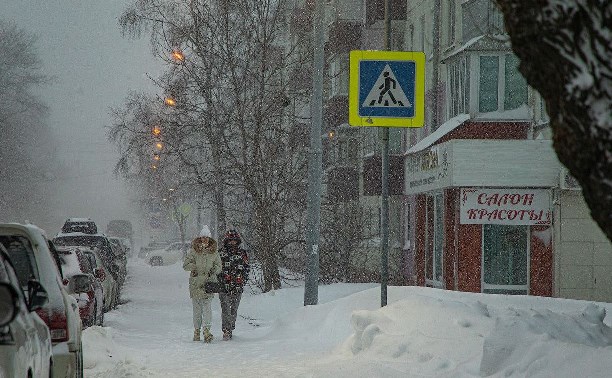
423	332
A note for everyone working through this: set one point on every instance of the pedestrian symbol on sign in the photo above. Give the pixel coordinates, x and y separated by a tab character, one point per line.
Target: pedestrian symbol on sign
386	92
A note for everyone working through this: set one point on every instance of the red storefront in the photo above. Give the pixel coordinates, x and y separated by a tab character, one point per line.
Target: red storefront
482	213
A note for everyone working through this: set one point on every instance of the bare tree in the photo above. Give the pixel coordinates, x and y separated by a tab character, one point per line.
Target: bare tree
27	143
565	50
236	111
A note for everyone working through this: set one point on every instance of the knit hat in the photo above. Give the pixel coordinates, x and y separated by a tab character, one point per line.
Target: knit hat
232	235
205	232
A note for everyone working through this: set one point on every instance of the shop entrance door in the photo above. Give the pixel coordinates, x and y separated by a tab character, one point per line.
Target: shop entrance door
505	259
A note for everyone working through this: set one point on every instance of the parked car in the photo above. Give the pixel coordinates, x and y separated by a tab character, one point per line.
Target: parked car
120	252
82	283
110	287
84	225
112	262
34	256
25	341
169	255
144	251
121	228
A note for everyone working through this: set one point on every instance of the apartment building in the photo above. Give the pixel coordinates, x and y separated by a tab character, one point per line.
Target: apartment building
488	206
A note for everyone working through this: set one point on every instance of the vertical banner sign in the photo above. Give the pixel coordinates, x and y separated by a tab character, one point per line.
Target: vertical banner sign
505	206
387	88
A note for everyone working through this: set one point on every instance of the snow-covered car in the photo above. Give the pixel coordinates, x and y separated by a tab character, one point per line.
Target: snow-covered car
82	283
84	225
25	341
121	252
109	285
144	251
106	251
34	256
169	255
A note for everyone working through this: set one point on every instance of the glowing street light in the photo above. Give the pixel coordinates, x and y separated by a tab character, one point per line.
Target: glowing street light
159	145
170	101
156	130
156	157
177	55
153	166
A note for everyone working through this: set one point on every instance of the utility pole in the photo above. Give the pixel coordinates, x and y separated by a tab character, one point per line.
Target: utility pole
311	289
384	206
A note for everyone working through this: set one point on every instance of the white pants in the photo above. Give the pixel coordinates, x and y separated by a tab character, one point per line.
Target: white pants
202	307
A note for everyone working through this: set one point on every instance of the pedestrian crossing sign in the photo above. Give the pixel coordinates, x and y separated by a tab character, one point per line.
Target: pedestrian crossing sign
387	88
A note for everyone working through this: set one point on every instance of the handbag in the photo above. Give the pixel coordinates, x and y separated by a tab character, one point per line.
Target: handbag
214	287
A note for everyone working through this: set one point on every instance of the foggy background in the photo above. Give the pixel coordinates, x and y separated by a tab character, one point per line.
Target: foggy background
93	68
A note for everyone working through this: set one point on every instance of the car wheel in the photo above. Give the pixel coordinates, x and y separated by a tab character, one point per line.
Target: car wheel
156	261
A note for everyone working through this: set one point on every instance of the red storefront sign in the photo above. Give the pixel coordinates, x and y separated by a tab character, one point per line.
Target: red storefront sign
505	206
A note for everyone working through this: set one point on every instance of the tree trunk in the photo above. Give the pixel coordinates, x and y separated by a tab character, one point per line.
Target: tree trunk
565	53
266	252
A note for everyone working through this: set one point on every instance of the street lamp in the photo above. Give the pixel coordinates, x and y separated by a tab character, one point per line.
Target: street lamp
177	55
156	130
156	157
159	145
170	101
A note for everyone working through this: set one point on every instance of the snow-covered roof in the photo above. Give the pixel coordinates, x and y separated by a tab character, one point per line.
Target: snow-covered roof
444	129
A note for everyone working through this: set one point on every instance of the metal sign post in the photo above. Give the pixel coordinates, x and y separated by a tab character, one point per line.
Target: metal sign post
386	89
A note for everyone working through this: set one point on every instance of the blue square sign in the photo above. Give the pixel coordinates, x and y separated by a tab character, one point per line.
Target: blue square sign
387	88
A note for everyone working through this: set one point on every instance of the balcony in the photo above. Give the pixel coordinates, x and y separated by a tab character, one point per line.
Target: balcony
375	10
372	175
342	184
335	111
344	36
301	19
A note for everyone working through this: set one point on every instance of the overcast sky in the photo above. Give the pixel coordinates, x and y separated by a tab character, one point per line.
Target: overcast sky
94	67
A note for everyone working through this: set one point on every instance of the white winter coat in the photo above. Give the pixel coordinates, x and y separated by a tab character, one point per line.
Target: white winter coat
203	263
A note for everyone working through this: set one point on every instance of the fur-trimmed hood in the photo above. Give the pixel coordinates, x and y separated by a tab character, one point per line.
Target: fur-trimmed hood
204	244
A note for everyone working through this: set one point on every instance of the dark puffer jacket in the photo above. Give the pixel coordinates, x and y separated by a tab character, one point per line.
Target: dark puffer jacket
234	268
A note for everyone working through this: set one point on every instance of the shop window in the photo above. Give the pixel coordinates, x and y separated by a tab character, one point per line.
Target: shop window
434	237
505	259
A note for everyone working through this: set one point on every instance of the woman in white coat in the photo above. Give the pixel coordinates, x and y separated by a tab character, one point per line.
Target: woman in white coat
204	263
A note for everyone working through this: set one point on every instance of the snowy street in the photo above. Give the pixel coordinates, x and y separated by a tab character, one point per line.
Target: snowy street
423	332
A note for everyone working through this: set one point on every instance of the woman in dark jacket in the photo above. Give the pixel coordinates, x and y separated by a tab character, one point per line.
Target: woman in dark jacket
234	274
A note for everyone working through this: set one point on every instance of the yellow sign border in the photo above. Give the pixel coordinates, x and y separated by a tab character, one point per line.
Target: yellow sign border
418	57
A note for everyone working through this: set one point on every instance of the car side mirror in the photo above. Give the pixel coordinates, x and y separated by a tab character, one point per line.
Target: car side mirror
80	283
37	295
9	303
100	274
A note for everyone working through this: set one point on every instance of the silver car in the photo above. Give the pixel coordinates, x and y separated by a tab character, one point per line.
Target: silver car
34	256
25	341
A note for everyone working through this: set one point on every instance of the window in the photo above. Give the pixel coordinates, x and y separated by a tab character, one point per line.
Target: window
458	87
501	86
505	259
489	82
22	256
434	239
